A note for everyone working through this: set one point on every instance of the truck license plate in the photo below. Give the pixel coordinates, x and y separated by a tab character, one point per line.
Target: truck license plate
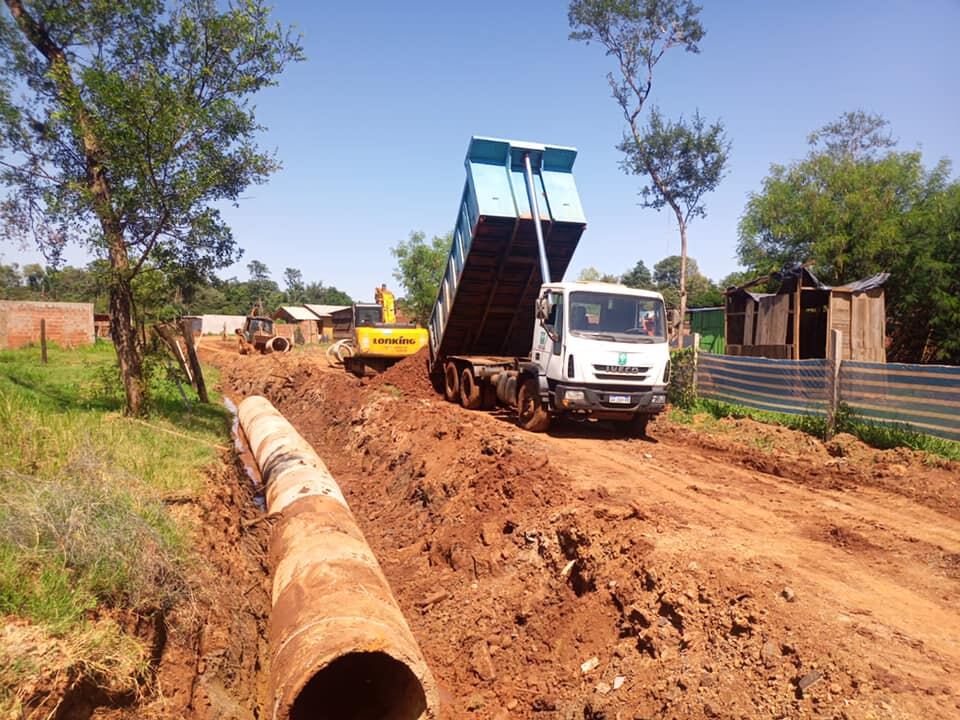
619	399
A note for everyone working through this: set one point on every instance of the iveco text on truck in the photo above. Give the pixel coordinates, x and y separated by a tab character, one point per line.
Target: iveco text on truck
502	331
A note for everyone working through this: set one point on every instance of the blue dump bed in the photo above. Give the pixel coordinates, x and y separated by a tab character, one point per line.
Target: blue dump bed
486	301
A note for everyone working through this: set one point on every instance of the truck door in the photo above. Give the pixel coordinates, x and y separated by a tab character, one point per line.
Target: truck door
549	336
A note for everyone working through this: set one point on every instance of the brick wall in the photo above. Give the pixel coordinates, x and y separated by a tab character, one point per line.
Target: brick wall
68	324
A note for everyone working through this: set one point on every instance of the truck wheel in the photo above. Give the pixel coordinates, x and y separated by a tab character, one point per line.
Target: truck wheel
488	395
531	414
471	395
451	382
637	427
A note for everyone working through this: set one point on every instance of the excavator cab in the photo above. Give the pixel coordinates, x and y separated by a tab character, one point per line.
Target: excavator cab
367	315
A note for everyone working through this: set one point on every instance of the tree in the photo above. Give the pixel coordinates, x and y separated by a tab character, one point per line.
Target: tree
854	136
702	291
853	214
736	279
420	267
317	292
683	161
123	124
591	274
845	215
293	279
639	277
11	282
636	33
263	293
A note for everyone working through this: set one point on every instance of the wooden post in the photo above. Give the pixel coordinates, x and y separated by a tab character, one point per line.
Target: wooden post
187	327
696	357
169	336
796	317
834	359
43	340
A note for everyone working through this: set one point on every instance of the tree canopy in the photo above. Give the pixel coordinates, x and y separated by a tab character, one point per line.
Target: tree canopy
420	266
122	125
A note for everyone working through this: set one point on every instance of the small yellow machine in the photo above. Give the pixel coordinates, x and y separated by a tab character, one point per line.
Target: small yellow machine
378	339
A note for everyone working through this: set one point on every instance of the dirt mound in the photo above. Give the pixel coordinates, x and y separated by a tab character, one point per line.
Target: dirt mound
410	376
538	594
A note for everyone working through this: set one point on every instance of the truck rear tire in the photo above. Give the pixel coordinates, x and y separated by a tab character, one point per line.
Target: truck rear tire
471	394
637	427
488	395
531	414
451	382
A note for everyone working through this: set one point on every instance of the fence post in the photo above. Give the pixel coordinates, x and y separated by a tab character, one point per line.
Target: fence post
187	327
834	359
43	340
696	357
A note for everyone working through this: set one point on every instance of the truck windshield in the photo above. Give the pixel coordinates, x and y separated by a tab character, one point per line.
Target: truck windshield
623	318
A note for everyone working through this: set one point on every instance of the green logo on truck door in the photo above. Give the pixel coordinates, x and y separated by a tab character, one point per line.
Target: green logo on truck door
622	359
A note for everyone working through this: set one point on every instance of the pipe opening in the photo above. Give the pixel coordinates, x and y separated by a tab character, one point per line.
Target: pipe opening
361	686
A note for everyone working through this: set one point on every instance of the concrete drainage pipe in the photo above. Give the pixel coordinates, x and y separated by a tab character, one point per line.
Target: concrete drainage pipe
339	645
279	344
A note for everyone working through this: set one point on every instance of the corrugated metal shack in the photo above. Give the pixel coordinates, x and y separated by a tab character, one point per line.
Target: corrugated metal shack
766	324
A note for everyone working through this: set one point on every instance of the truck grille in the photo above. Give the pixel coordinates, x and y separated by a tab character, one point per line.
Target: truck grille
616	372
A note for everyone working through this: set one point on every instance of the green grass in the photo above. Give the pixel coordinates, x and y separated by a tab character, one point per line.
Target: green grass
875	435
83	518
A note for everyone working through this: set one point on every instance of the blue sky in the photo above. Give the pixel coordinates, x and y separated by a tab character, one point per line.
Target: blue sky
372	129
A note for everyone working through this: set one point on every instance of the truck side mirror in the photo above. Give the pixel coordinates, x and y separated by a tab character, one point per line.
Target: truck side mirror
543	307
673	317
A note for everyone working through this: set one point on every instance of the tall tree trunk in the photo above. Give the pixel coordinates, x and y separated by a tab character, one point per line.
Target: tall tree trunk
123	327
123	331
683	273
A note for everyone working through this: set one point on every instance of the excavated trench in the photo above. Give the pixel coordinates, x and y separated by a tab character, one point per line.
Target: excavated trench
537	594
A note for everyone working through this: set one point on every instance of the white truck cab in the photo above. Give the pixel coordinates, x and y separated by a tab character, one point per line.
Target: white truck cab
601	351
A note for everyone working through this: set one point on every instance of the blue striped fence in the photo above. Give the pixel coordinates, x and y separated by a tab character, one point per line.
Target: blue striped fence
924	398
798	387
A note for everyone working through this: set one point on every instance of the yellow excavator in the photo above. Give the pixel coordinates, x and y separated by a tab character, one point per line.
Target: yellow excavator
377	340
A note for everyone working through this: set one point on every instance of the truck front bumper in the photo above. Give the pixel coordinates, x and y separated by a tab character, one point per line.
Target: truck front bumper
609	400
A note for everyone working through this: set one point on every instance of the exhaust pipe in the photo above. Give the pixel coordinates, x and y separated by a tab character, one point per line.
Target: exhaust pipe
339	644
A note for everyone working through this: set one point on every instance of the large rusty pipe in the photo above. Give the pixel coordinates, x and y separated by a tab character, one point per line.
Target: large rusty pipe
339	644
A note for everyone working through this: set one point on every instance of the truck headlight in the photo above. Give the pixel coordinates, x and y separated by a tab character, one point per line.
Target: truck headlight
573	395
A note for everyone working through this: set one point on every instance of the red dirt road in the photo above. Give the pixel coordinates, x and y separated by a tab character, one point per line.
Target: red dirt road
744	572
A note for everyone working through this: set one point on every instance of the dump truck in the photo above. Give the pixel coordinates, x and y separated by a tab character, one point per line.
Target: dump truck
504	332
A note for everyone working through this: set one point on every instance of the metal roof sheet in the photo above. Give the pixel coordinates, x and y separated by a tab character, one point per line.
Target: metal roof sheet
325	310
297	312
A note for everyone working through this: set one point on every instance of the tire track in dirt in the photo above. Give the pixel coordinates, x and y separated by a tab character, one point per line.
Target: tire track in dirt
856	559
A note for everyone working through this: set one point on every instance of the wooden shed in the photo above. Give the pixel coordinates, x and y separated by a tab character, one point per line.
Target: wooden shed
325	320
766	324
297	317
